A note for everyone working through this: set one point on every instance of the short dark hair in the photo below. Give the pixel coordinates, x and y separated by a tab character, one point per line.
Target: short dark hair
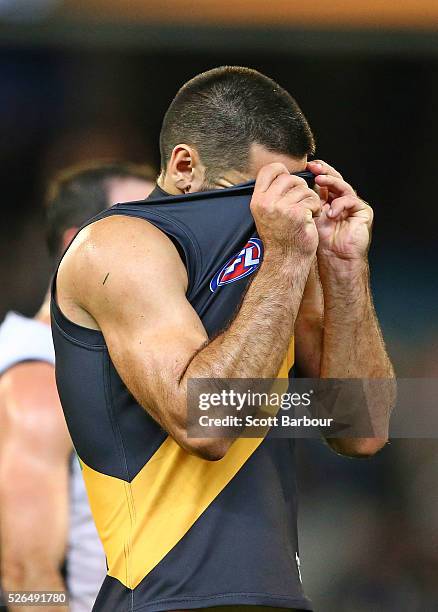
80	192
223	111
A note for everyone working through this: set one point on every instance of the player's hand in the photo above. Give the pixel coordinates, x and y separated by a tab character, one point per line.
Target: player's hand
284	208
344	226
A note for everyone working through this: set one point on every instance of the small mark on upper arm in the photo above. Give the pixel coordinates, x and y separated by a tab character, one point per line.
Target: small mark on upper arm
104	280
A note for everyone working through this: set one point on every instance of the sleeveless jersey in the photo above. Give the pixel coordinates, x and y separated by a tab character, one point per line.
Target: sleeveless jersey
23	339
180	532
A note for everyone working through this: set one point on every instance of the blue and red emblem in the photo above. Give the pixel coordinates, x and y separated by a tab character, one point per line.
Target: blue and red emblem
243	264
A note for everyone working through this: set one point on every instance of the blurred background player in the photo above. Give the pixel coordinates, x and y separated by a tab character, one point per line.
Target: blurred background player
44	513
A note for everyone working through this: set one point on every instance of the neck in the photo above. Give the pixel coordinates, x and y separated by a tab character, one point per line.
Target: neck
230	179
167	185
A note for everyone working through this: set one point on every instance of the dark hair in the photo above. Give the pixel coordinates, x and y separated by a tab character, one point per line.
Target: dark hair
80	192
223	111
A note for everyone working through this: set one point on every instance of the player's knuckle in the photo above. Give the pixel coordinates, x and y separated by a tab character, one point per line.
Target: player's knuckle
299	181
285	181
313	198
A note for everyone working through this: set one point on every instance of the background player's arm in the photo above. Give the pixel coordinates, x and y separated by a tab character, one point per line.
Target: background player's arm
33	481
155	338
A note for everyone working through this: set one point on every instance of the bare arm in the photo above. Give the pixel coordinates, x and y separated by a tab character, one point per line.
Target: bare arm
33	481
309	328
353	346
339	341
155	338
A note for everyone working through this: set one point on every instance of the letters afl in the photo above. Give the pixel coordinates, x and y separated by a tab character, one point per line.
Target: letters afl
243	264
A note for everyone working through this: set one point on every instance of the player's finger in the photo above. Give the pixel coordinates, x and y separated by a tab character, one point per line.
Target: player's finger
312	204
335	184
267	176
323	193
350	204
306	199
318	166
299	192
323	215
284	183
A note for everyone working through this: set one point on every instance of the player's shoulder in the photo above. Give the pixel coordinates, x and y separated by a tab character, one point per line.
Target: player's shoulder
28	387
114	240
114	257
118	229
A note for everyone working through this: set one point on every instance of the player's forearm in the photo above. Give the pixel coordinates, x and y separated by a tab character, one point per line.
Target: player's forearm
353	347
253	346
309	328
256	342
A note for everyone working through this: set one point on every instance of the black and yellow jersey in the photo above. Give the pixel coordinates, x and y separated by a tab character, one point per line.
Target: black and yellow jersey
180	532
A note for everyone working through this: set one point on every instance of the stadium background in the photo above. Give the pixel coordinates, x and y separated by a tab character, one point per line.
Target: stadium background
81	80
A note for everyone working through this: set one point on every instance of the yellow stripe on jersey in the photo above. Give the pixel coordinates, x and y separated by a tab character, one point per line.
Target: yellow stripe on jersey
139	522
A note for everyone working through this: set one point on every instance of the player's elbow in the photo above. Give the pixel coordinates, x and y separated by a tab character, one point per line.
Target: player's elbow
210	449
359	448
188	435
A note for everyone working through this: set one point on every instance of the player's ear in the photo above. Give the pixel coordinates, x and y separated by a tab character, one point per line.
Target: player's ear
185	169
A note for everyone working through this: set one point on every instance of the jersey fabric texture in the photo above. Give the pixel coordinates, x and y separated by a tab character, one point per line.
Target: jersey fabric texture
180	532
23	339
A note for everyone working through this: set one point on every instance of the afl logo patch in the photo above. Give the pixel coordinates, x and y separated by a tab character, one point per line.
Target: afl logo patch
243	264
